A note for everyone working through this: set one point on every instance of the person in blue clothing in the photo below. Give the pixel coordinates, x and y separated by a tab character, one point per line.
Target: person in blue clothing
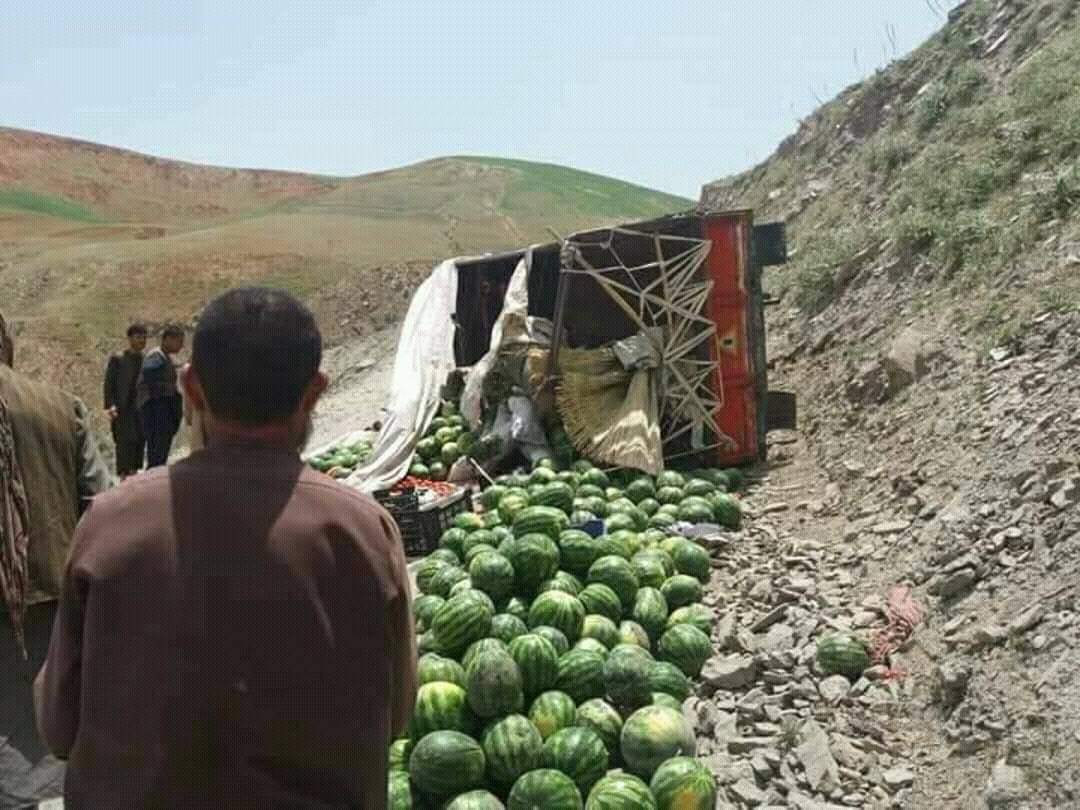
158	398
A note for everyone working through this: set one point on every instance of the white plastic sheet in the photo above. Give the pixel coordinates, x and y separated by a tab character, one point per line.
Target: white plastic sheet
424	358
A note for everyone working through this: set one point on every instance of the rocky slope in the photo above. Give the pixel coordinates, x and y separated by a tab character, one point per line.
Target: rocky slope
930	323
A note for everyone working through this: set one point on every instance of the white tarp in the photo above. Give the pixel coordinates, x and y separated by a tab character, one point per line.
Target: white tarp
425	358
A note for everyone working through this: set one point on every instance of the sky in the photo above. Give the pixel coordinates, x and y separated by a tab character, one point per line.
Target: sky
666	94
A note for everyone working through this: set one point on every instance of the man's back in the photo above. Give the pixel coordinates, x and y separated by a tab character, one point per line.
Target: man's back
241	618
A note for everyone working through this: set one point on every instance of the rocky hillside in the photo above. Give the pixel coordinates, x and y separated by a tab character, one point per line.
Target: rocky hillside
930	323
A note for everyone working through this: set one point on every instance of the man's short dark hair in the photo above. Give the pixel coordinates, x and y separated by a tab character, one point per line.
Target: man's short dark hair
137	329
172	330
255	350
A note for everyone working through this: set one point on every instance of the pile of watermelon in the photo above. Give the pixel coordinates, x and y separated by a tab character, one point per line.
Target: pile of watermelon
340	460
553	664
446	440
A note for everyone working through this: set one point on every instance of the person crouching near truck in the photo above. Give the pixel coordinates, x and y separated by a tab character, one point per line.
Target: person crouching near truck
235	628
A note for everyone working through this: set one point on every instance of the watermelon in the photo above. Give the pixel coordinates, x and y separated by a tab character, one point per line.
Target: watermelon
578	752
557	638
633	633
662	521
699	487
696	614
650	506
683	783
591	645
491	496
427	643
667	678
603	718
600	599
649	569
670	478
651	538
571	477
597	505
506	627
650	611
426	571
668	495
617	574
516	606
428	448
600	628
630	540
664	699
552	711
434	667
445	434
544	789
596	478
445	763
609	546
842	654
652	735
620	791
686	647
735	478
470	592
627	678
538	661
641	489
480	648
577	550
590	491
453	539
437	471
541	520
727	511
512	746
476	537
447	555
493	574
425	607
562	581
398	791
560	610
692	560
621	521
399	755
511	505
476	800
495	687
469	521
535	558
543	472
556	494
446	578
476	551
581	675
440	706
459	622
681	590
581	516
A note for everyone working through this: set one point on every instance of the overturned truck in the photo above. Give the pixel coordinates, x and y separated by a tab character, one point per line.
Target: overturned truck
646	340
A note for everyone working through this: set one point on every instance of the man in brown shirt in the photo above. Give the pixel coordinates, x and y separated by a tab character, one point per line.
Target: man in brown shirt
235	629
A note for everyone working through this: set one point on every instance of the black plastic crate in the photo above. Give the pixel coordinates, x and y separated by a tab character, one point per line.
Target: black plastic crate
404	508
437	518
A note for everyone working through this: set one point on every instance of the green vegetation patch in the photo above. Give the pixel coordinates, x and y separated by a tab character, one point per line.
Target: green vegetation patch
23	200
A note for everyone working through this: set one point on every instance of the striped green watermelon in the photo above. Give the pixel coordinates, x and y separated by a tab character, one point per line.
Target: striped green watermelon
651	538
427	643
480	648
476	551
506	627
652	735
641	489
692	560
618	574
512	746
727	511
476	800
544	789
445	579
557	638
459	622
735	478
633	633
649	506
591	645
535	558
603	718
590	491
445	763
650	611
598	505
399	755
434	667
446	555
425	606
620	791
628	539
699	487
516	606
454	539
664	699
546	520
600	599
441	706
557	494
475	538
620	521
671	478
669	495
559	610
668	678
552	711
600	628
426	570
466	588
597	478
491	496
543	472
495	685
469	521
696	614
686	647
398	791
662	520
649	569
626	676
492	520
581	675
611	546
578	752
538	661
493	574
562	581
681	590
695	509
683	783
511	505
842	654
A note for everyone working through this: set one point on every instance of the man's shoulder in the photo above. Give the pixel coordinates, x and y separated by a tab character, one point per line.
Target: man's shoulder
334	492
